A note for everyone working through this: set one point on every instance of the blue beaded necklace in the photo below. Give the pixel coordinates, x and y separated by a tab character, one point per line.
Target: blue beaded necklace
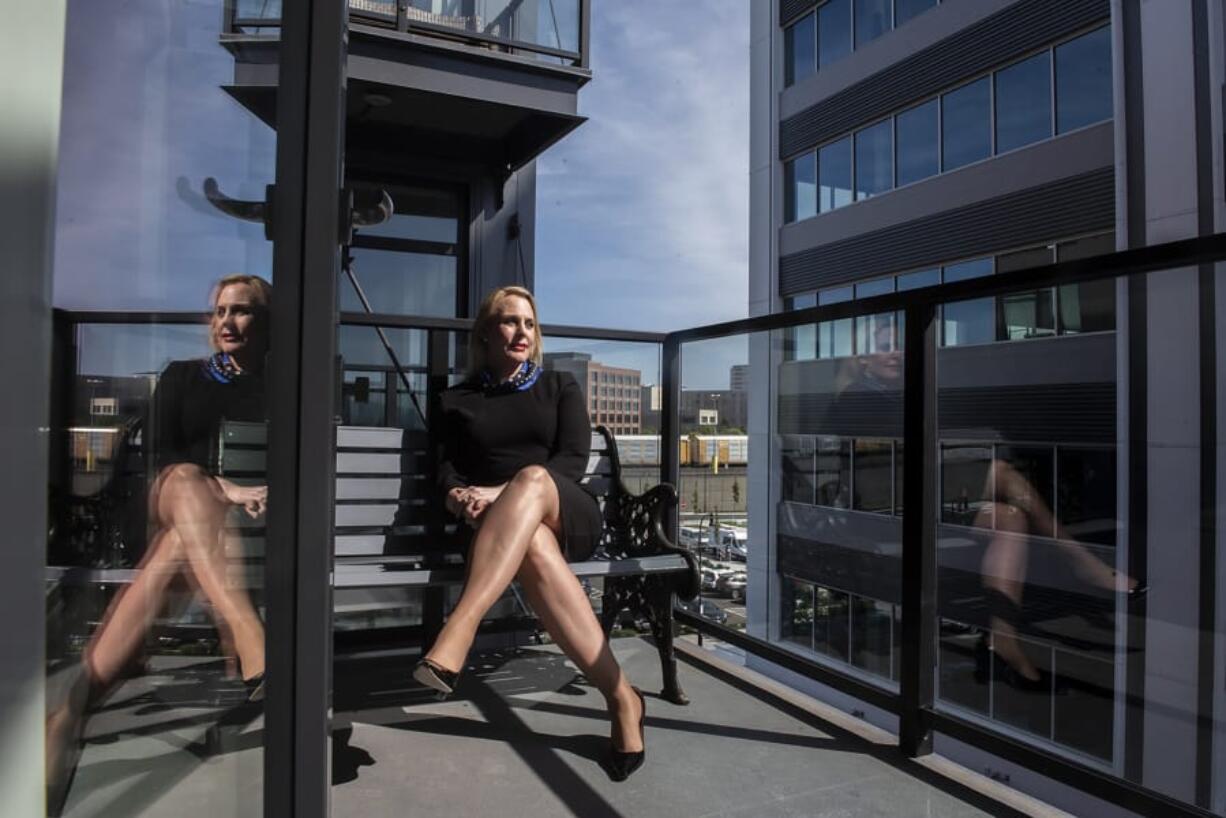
221	367
521	379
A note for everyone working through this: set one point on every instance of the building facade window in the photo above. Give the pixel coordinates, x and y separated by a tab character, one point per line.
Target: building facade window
966	125
918	136
874	160
825	35
1023	103
834	175
1083	81
1007	109
833	32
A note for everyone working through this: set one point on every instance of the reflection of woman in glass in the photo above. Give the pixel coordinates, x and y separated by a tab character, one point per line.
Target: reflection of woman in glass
1016	512
516	441
188	506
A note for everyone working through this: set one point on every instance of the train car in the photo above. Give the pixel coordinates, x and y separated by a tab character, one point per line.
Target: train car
731	450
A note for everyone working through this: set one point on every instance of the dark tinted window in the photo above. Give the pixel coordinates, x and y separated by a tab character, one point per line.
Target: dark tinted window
966	125
875	160
800	49
917	153
1085	492
1023	103
800	188
833	31
834	174
1083	80
874	475
904	10
966	495
872	20
833	472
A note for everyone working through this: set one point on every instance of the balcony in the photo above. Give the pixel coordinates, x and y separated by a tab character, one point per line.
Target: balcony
1004	625
451	79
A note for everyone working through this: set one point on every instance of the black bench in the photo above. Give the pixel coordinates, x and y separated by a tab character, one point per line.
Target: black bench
387	532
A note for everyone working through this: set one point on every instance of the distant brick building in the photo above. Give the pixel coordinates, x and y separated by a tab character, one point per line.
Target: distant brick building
613	394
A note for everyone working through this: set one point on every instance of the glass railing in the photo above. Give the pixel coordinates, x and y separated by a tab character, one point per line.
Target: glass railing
548	30
1011	544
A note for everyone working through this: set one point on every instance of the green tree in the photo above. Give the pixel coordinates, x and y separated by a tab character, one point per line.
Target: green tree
736	492
694	499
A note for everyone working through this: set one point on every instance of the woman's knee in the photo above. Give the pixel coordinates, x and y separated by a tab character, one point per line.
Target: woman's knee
533	477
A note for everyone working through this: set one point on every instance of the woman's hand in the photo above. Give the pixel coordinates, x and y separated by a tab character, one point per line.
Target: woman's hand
471	502
252	498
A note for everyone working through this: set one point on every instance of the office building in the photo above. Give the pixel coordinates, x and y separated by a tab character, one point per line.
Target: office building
899	144
612	393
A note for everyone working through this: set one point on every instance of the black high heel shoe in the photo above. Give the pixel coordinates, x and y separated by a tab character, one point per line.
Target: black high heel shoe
436	677
621	764
255	688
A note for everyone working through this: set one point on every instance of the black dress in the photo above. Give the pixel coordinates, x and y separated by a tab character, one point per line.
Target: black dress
489	436
188	407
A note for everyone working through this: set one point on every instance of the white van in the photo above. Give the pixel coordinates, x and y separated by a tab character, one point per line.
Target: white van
734	543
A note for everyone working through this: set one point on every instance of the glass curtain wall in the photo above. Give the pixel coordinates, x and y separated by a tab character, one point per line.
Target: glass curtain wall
159	487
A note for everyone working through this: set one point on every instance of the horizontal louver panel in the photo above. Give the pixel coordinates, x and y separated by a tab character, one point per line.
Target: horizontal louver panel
791	9
1078	204
989	43
1049	413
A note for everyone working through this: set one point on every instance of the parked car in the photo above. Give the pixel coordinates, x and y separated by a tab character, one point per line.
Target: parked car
732	584
706	609
693	538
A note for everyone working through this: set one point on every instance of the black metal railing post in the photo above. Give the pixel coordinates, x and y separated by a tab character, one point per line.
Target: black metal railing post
670	425
919	577
434	598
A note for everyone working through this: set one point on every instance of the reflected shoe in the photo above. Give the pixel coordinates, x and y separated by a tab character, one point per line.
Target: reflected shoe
622	765
255	687
436	677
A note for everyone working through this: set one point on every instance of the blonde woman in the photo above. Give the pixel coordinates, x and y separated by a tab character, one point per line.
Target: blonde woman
516	441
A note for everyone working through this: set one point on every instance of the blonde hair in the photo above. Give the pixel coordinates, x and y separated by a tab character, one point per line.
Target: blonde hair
486	313
261	297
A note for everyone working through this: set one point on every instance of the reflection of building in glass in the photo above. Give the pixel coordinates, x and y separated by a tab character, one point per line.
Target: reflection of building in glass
883	176
613	394
710	410
738	377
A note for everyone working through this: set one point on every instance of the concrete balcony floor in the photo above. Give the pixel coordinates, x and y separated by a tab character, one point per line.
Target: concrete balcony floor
523	736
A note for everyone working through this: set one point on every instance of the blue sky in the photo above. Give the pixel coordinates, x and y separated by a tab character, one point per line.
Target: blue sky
643	212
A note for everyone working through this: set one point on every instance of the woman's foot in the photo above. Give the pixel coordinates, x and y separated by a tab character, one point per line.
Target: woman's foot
627	750
436	677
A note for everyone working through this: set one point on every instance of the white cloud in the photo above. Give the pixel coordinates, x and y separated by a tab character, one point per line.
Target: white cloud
643	211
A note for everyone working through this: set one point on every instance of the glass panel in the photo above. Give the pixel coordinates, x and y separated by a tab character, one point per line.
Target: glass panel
1026	315
715	518
872	20
1023	259
874	159
796	620
800	49
876	334
968	322
1035	634
834	296
881	286
904	10
874	476
831	622
872	637
920	278
156	540
800	342
834	472
422	214
834	168
918	154
399	283
966	125
833	32
1023	103
835	422
1088	306
800	185
1083	80
1085	494
835	338
966	487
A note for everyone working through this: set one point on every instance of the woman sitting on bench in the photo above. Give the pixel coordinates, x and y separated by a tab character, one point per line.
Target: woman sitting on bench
188	506
516	440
